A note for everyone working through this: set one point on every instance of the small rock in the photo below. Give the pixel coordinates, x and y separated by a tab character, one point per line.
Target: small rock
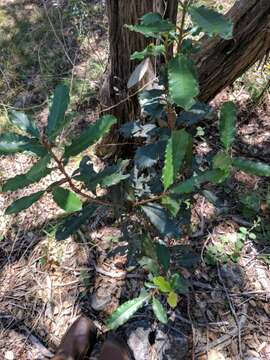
138	339
170	345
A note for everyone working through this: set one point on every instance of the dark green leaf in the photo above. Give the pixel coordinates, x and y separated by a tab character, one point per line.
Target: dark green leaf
148	246
110	176
161	220
159	311
23	203
197	113
252	167
195	181
11	143
212	22
66	199
126	311
163	256
227	124
171	204
222	161
151	102
150	50
152	25
56	119
174	156
183	81
179	284
36	173
71	224
23	122
148	155
90	136
137	129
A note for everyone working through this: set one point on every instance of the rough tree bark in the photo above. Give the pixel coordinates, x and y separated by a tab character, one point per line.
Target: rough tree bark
221	62
122	44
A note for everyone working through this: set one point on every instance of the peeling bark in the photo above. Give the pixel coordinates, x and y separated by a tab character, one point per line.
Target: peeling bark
222	61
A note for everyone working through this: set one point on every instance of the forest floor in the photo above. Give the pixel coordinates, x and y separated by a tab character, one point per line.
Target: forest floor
46	284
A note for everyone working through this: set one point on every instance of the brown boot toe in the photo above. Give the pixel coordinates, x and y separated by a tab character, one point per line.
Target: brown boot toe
114	349
78	340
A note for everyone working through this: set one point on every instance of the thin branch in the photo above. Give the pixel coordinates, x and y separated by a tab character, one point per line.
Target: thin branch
182	26
55	34
68	179
128	97
155	198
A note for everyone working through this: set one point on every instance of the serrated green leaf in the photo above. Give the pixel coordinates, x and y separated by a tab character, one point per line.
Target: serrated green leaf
211	22
195	181
161	220
38	171
174	155
227	124
163	256
152	25
172	299
11	143
66	199
22	121
252	167
23	203
56	119
222	161
71	224
90	136
150	50
179	284
183	81
159	311
126	311
162	284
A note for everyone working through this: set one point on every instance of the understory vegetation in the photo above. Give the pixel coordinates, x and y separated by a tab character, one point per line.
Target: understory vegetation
152	185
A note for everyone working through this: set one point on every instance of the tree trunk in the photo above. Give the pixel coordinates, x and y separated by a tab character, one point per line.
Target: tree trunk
122	44
221	62
114	92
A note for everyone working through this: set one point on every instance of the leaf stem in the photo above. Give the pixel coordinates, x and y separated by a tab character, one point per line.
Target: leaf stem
68	179
146	201
185	6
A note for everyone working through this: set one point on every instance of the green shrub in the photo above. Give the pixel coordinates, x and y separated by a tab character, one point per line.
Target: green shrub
162	177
